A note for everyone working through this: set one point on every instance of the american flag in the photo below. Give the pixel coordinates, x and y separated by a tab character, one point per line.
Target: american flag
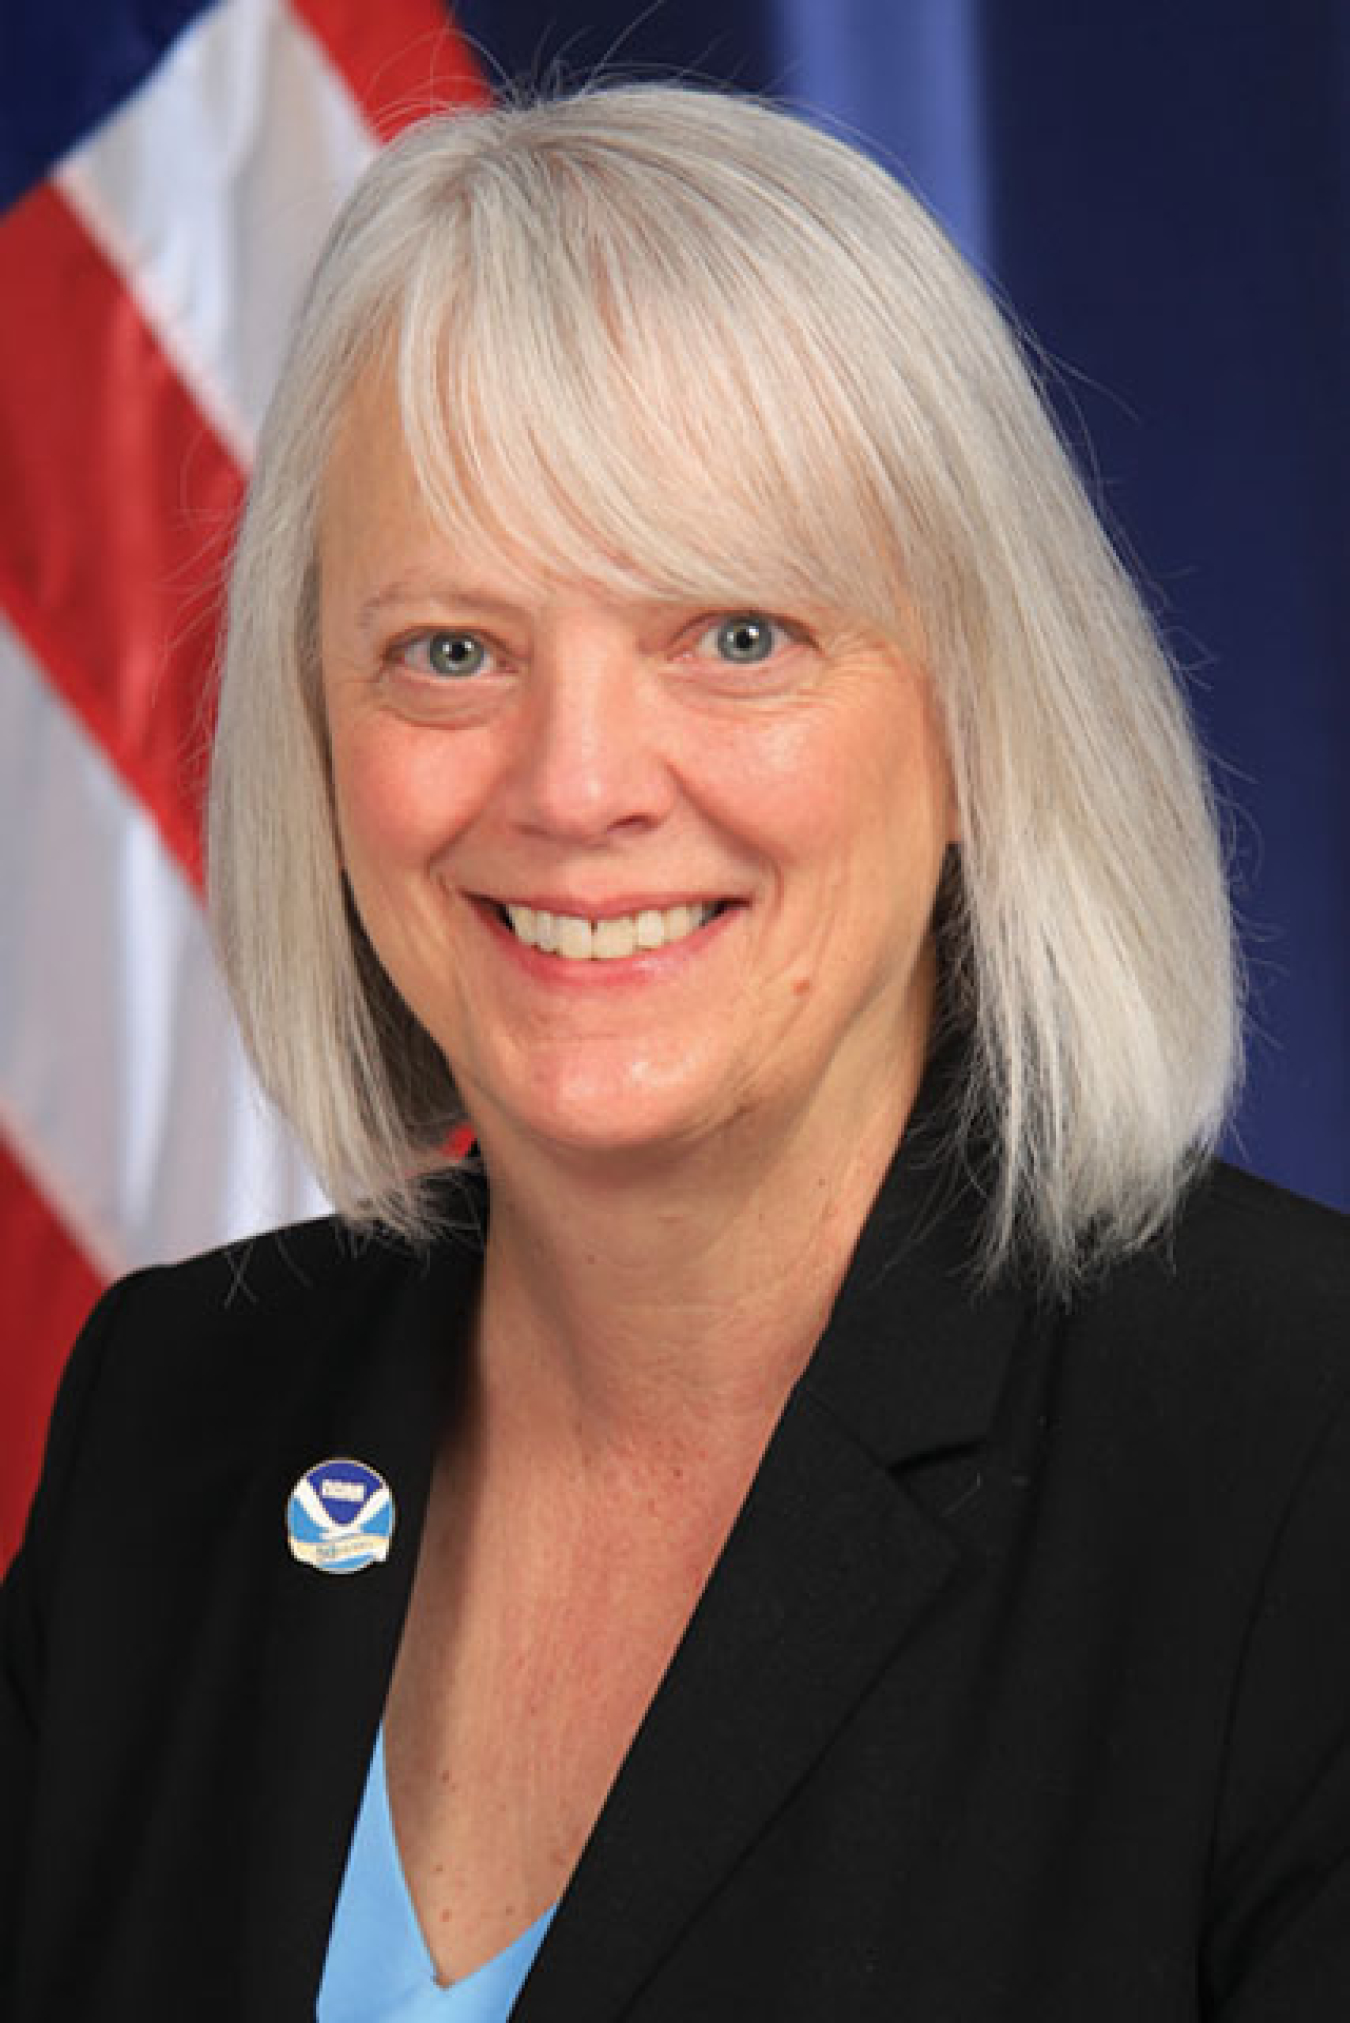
147	279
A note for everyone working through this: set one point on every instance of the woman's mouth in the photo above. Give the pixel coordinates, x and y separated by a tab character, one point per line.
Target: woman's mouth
576	939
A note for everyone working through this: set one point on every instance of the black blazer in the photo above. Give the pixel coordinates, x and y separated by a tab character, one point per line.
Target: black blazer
1020	1694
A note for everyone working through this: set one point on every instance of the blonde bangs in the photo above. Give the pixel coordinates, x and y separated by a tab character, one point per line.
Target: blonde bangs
689	443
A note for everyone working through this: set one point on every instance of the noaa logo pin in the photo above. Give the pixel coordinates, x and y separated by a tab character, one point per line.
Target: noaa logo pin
340	1517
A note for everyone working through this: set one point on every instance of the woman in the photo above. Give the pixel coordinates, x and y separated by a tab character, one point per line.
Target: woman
841	1503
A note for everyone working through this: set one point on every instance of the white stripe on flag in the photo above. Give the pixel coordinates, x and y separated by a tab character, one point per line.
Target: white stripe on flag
210	191
122	1081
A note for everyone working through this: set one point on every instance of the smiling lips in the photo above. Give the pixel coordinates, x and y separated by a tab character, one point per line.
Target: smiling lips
577	939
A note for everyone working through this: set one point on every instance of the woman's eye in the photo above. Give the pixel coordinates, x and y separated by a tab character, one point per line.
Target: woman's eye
744	638
452	654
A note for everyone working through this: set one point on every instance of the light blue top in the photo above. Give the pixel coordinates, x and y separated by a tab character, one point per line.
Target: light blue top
378	1968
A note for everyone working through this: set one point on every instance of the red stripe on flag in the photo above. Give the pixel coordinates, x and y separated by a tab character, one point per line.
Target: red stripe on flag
401	59
59	1287
117	501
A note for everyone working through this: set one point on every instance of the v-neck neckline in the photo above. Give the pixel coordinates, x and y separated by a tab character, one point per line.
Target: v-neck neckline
379	1967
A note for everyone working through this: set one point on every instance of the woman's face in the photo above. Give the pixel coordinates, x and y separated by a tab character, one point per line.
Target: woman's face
644	870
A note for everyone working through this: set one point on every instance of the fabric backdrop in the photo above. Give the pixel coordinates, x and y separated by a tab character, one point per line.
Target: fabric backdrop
1158	191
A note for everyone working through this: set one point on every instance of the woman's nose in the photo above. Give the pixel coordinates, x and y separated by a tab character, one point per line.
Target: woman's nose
588	761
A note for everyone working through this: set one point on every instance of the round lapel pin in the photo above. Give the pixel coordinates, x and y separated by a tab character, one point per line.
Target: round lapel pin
340	1517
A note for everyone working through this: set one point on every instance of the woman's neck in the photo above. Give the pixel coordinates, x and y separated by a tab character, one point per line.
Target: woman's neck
668	1305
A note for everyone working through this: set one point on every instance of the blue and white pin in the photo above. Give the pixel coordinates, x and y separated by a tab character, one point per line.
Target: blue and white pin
340	1517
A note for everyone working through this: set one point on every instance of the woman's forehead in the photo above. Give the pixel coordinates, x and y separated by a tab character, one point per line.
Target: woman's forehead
412	500
386	561
411	479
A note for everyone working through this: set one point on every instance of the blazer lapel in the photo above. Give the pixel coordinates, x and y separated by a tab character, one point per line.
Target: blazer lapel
328	1641
827	1576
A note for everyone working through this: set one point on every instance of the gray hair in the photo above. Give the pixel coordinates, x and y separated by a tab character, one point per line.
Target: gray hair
682	339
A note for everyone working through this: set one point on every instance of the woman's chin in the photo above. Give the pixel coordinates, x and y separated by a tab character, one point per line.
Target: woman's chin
622	1118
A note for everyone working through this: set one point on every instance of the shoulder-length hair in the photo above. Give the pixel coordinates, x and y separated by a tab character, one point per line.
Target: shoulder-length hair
677	338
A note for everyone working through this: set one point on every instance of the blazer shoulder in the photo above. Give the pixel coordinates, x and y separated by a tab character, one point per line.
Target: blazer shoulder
264	1313
1237	1200
1263	1248
291	1266
1241	1311
303	1266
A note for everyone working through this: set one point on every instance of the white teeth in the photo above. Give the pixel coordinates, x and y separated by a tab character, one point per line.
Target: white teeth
574	938
608	940
614	938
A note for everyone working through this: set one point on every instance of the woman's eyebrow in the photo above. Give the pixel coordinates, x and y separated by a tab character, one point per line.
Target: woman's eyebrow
440	590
